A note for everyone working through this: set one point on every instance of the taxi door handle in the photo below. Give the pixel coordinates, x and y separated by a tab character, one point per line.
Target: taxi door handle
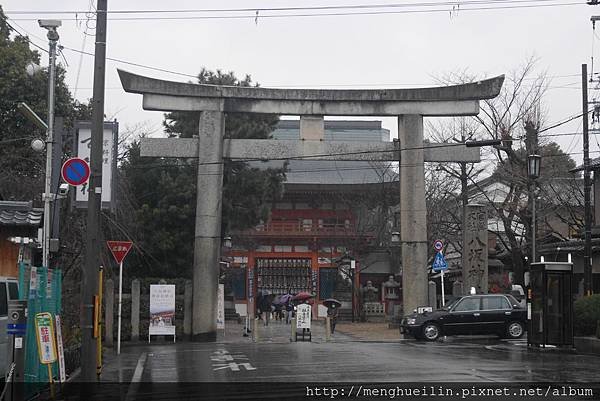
507	313
476	314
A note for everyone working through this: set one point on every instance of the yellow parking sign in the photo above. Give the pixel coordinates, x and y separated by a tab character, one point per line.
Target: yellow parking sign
44	330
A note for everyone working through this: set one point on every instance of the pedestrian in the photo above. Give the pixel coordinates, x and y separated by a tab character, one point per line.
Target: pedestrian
332	313
259	302
289	311
266	308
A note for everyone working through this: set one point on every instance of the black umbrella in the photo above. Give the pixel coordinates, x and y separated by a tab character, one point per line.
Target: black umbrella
329	302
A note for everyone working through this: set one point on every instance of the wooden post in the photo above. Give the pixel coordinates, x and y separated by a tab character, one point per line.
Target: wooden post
135	310
109	312
187	310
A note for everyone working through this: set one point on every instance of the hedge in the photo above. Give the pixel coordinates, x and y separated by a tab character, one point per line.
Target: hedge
587	315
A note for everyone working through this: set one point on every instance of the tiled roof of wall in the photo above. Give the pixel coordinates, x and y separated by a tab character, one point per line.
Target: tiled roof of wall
19	214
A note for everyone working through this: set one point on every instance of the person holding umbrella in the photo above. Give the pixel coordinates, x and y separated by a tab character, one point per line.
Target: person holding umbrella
333	307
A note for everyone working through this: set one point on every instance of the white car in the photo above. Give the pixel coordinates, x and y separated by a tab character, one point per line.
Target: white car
9	289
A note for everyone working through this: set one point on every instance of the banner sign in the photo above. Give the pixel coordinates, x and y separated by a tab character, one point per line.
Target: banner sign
45	337
109	161
221	307
33	282
61	352
303	316
162	309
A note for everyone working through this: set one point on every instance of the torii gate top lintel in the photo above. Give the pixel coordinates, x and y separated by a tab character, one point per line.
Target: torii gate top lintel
435	101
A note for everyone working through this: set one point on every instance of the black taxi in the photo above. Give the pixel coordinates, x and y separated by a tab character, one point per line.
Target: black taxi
470	314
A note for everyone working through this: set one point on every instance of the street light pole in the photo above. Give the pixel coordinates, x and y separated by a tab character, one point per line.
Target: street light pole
533	171
51	26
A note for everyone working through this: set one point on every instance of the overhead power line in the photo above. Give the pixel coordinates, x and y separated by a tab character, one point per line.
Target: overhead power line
270	86
255	13
299	8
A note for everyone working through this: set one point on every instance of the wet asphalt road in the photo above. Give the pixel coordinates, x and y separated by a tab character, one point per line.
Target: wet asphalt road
403	361
284	370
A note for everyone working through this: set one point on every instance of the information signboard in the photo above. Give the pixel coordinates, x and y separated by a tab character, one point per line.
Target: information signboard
303	316
162	310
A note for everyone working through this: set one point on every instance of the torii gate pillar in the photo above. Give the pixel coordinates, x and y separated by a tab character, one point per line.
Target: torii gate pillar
207	238
413	214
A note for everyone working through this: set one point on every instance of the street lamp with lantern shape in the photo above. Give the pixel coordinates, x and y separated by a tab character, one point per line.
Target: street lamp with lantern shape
533	171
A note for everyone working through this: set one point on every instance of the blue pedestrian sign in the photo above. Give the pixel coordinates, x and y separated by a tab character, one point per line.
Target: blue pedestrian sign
439	263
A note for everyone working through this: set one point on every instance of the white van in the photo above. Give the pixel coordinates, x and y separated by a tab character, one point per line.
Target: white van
9	289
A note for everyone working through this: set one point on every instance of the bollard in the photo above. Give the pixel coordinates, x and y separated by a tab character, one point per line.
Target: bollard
255	331
187	310
432	295
135	310
293	339
457	289
327	328
109	311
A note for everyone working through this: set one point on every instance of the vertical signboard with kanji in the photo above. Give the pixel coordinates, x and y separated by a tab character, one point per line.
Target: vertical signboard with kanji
162	310
61	352
221	307
303	316
109	161
45	338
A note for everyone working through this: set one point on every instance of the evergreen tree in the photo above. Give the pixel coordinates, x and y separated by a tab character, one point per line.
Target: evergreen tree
163	192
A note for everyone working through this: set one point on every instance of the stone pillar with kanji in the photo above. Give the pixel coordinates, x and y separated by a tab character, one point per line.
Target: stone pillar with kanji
475	267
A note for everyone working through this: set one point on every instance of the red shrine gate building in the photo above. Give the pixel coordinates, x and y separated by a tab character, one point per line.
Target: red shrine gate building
330	209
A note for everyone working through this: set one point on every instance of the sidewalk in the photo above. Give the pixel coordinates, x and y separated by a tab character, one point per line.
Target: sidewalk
277	331
365	331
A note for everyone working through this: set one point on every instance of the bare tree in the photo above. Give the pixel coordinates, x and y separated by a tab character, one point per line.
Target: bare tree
515	117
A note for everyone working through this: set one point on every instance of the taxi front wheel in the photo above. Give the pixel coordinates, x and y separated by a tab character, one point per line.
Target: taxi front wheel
431	331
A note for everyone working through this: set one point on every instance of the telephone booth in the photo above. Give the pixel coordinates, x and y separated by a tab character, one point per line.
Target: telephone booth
550	304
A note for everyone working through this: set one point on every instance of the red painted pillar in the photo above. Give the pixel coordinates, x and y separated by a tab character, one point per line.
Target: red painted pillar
314	264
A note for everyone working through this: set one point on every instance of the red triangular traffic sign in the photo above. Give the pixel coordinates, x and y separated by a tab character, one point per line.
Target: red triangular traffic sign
119	249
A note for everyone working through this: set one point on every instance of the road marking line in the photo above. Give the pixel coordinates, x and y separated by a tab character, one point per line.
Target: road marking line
137	377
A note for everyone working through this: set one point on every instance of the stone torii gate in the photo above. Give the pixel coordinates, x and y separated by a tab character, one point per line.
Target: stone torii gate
210	148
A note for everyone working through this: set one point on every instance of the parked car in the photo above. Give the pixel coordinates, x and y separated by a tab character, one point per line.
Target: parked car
471	314
9	289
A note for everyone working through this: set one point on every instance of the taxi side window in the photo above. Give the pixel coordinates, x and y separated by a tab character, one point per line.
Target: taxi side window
467	304
495	303
3	300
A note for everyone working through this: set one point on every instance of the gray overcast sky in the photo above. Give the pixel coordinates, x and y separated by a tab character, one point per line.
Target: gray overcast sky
386	50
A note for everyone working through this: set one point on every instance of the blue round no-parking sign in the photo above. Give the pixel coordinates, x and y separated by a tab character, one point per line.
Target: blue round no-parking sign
75	171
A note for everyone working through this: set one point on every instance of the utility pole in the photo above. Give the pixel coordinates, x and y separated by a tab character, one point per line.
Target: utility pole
92	243
51	26
587	185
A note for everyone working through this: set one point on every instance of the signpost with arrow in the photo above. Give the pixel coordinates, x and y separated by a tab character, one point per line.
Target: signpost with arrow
439	265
